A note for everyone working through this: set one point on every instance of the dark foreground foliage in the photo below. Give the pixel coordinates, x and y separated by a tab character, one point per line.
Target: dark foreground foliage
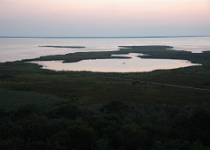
114	126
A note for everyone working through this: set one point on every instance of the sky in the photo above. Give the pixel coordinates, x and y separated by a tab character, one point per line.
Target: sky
89	18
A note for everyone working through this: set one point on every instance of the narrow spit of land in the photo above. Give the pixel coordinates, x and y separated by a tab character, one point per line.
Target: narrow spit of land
62	46
155	52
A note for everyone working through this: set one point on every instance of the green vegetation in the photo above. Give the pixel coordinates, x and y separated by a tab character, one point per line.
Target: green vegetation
12	100
161	52
44	109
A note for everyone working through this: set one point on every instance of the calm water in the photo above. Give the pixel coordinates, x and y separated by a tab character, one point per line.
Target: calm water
12	49
134	64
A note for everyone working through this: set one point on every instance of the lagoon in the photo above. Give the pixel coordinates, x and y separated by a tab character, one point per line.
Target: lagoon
132	64
12	49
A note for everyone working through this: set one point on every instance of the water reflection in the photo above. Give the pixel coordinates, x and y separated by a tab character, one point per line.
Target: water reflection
132	64
12	49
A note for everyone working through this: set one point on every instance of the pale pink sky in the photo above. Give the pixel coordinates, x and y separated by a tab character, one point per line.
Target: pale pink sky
104	17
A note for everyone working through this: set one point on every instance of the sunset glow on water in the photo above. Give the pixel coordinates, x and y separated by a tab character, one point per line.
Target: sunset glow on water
133	64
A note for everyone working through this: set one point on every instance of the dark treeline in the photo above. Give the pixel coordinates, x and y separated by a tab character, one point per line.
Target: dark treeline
115	125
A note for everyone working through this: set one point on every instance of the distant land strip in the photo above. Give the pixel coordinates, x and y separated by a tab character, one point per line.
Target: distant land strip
64	37
62	46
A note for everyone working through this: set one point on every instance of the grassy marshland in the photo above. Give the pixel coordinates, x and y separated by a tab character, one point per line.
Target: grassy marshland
43	109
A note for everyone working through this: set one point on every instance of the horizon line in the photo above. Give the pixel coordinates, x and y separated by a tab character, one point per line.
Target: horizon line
104	36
